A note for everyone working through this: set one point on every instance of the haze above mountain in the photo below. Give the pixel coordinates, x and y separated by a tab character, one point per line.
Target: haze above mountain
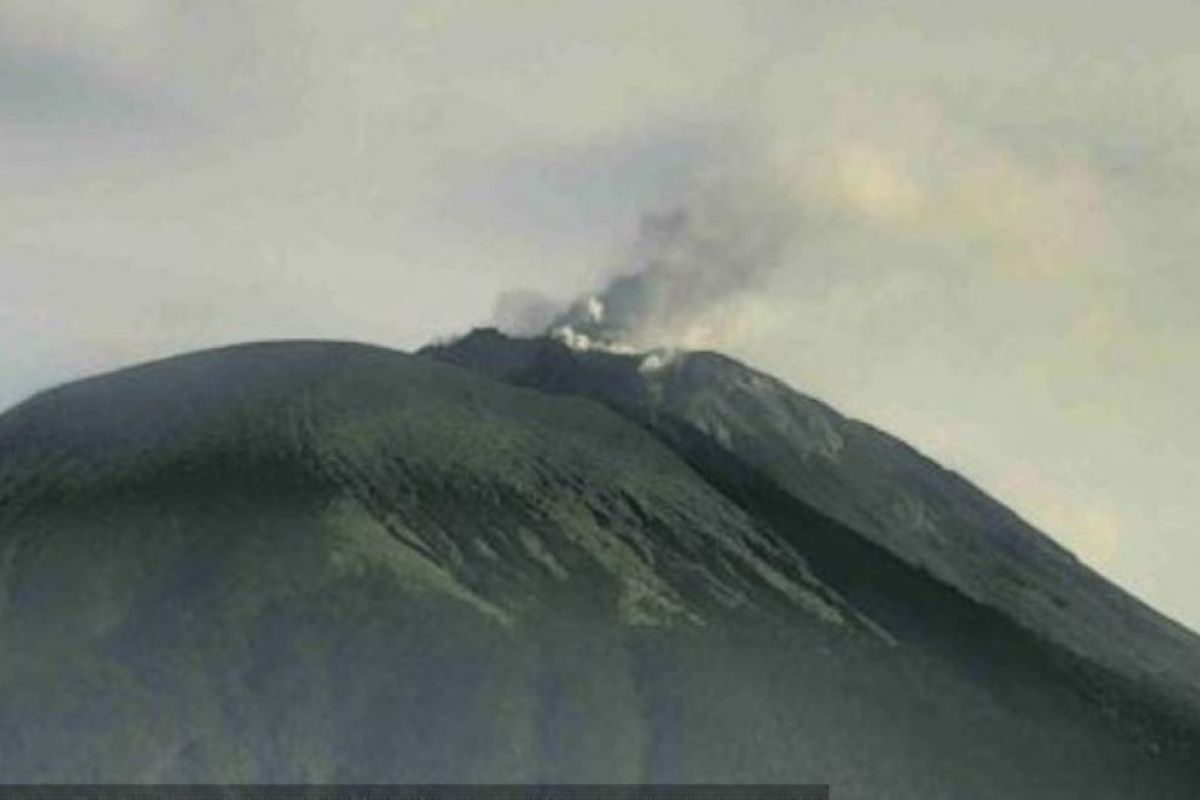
508	560
993	206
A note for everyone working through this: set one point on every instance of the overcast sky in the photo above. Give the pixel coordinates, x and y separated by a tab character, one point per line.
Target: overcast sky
992	209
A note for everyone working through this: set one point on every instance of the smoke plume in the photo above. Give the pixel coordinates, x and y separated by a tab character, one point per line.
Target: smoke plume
687	264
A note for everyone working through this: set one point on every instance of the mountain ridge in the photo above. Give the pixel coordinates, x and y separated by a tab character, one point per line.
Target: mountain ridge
1021	571
342	562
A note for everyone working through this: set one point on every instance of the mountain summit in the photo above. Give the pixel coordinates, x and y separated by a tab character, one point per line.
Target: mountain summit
874	484
505	560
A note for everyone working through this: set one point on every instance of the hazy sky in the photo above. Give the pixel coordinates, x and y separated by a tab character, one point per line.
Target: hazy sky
992	210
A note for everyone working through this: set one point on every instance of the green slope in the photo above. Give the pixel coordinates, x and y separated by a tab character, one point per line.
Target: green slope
872	483
311	561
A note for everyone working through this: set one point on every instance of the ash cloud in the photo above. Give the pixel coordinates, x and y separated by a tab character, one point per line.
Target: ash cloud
524	312
688	263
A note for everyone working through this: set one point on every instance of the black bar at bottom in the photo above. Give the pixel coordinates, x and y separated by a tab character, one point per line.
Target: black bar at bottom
575	791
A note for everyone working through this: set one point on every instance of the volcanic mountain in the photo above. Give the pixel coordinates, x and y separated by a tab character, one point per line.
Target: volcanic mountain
506	560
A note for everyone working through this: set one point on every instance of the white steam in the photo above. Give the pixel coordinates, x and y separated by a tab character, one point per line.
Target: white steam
685	268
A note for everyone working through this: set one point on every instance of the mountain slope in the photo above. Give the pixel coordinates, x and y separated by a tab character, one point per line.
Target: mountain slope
310	561
875	484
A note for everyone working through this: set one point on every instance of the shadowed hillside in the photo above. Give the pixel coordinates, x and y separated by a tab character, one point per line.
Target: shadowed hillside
875	484
309	561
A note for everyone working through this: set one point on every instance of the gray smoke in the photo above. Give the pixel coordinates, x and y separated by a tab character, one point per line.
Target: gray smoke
688	262
524	312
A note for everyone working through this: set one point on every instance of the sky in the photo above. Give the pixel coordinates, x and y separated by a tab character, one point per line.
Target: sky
975	225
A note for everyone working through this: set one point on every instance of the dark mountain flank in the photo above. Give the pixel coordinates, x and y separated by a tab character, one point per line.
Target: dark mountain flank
504	560
874	484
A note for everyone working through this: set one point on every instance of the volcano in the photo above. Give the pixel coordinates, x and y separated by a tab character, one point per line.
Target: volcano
508	560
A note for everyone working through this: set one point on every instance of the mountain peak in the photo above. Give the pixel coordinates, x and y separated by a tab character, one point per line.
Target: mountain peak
507	560
867	480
